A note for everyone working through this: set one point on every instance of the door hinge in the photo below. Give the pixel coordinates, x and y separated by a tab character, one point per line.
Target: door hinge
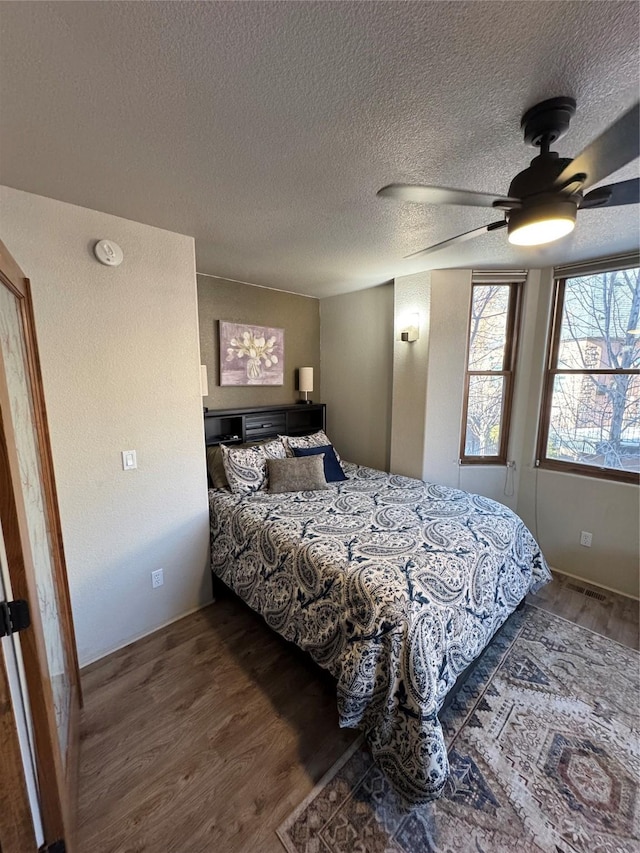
14	616
54	847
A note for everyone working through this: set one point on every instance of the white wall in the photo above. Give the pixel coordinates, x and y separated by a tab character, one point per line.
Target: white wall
558	506
356	350
120	364
428	385
450	294
412	295
450	301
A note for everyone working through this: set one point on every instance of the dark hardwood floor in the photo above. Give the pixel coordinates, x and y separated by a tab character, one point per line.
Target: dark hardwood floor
615	616
204	736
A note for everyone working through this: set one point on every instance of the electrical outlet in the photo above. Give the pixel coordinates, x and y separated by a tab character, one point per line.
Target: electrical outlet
157	578
585	539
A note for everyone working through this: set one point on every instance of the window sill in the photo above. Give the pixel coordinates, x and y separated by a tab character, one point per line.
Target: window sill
587	471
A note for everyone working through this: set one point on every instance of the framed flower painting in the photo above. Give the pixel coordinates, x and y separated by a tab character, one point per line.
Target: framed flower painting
251	355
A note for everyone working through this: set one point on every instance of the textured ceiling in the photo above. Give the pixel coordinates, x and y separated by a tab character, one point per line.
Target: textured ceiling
264	129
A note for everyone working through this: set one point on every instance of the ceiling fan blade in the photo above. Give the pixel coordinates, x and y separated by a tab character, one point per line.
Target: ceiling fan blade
617	146
613	195
461	238
420	194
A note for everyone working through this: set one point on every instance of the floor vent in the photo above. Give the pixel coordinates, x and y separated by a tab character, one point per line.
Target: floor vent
590	593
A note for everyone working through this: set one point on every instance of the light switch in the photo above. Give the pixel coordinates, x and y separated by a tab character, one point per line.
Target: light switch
129	461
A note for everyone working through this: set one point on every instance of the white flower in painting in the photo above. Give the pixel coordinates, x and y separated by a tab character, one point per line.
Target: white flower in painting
255	349
252	347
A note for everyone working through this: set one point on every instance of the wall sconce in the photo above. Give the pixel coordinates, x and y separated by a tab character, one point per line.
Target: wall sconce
305	382
204	383
411	332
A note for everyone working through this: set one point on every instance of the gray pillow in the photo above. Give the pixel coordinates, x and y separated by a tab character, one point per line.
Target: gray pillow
304	474
216	468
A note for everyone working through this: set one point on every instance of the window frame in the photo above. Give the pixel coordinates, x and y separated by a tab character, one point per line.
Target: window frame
512	336
550	372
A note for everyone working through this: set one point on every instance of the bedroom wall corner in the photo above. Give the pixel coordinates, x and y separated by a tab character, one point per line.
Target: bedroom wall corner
236	302
356	334
412	295
120	365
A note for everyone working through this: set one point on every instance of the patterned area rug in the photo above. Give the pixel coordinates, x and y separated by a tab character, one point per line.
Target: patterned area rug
544	752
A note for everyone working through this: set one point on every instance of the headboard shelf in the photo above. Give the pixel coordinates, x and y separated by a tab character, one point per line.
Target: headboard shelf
261	422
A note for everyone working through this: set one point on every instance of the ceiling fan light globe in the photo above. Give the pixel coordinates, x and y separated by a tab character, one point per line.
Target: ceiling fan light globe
538	233
537	224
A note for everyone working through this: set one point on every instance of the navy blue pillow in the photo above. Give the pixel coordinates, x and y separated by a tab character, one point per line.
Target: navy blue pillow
332	469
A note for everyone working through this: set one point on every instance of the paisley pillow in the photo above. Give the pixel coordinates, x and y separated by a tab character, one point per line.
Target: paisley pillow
246	467
317	439
273	449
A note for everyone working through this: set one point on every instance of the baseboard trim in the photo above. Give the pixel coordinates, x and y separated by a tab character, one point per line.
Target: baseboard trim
144	634
593	583
135	639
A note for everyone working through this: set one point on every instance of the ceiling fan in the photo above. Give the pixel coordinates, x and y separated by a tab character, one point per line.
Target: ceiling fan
544	199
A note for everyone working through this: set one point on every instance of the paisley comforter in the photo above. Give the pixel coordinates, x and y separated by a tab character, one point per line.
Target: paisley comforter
392	584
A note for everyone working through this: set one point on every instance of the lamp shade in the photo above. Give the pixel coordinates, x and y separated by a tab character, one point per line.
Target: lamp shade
204	382
305	379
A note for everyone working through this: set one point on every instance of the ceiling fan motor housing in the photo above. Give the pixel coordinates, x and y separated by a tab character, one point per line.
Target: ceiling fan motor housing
539	177
540	199
548	120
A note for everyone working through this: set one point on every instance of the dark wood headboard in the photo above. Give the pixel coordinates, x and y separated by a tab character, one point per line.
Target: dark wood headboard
230	426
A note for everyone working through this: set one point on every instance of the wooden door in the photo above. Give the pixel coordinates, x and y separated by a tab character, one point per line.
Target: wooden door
35	557
16	825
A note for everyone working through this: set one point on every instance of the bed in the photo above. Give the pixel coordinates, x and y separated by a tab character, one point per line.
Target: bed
393	585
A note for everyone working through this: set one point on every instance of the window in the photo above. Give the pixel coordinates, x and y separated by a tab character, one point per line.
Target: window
591	409
491	356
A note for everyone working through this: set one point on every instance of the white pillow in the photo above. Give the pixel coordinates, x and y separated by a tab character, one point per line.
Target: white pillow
317	439
274	449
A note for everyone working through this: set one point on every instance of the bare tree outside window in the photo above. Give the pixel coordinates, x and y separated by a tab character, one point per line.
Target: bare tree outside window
489	376
591	420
